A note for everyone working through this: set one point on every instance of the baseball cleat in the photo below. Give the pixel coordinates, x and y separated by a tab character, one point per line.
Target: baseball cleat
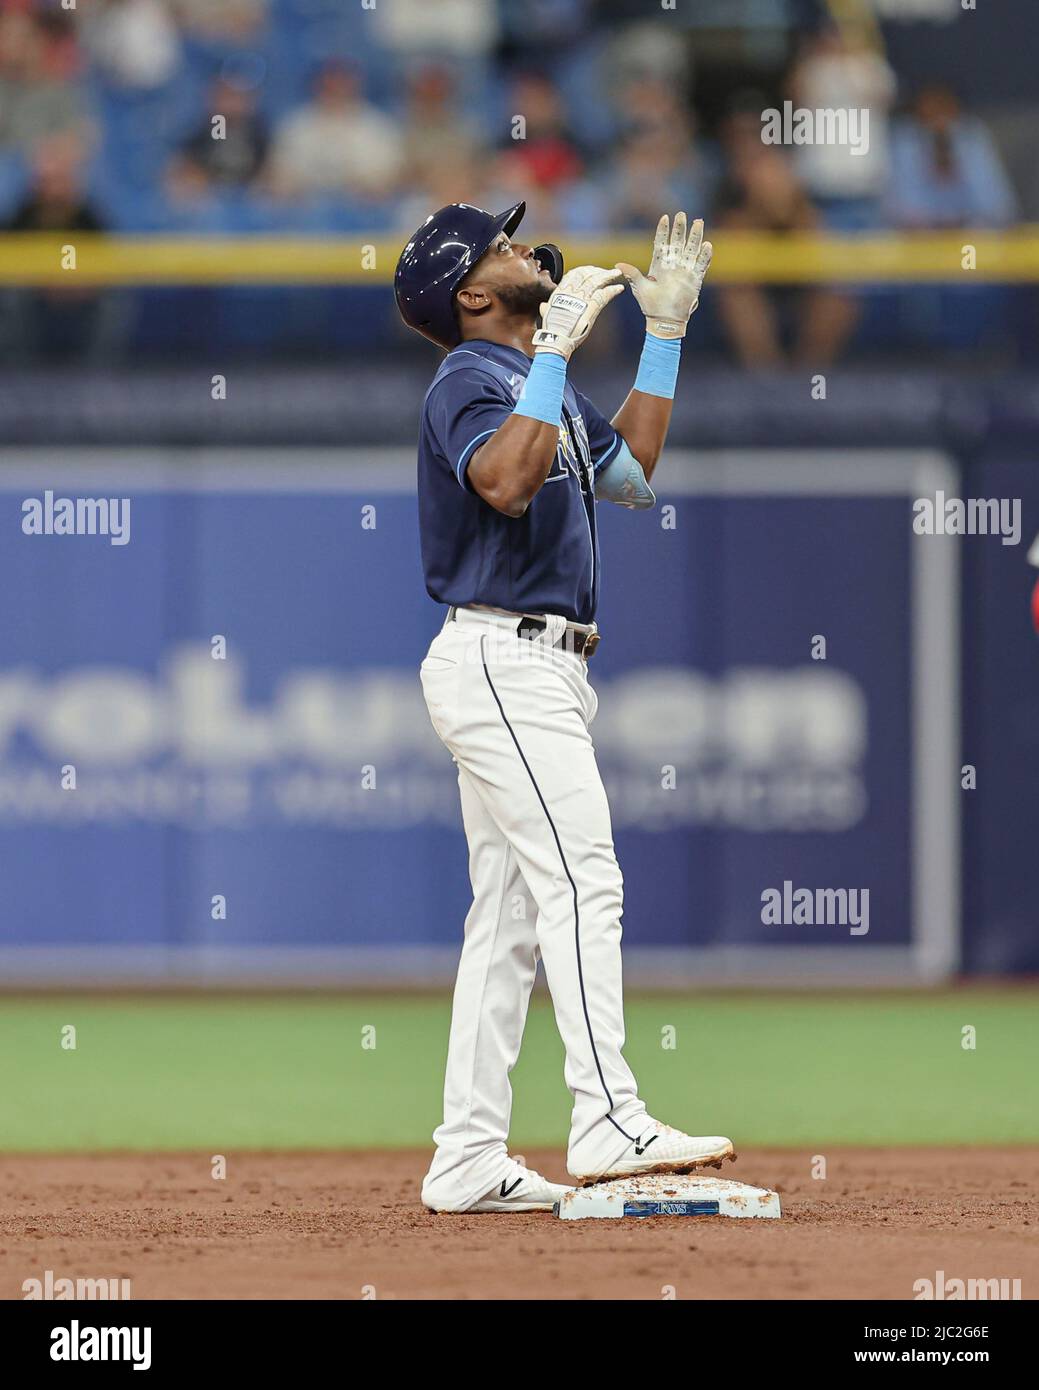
661	1149
522	1190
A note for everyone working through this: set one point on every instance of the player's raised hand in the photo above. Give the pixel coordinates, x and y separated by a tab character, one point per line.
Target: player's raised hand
670	292
576	302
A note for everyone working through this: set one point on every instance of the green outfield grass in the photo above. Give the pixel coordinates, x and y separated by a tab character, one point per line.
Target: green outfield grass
239	1072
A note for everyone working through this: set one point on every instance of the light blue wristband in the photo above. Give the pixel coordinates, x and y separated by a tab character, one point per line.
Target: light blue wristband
542	394
658	366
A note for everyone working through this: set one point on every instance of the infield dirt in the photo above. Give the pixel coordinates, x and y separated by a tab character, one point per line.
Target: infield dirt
349	1226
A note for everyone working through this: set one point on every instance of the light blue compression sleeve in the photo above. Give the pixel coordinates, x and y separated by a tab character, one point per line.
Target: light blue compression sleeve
658	366
542	394
623	481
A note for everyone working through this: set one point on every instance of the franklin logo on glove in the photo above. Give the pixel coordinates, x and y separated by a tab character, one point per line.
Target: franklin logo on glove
571	311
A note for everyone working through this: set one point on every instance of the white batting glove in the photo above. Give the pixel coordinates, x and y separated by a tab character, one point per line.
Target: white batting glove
671	291
577	301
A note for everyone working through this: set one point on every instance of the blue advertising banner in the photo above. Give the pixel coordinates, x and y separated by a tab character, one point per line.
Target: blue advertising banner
1000	723
215	761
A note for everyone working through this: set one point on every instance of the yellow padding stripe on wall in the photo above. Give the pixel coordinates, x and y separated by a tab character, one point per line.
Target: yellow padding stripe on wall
54	258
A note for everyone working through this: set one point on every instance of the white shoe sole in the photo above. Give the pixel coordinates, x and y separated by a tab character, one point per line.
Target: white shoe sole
498	1205
634	1169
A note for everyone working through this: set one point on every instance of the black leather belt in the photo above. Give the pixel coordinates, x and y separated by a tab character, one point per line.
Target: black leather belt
570	640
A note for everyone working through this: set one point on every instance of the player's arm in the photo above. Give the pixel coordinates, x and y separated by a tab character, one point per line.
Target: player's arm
667	295
508	470
642	422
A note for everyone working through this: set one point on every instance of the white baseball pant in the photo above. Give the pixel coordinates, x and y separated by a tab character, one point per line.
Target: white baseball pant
514	714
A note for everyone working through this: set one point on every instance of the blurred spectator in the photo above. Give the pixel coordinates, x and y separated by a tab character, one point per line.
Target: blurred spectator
648	104
188	185
235	20
507	182
192	202
67	320
545	155
760	193
38	93
459	27
544	169
64	54
564	40
658	164
648	51
529	26
237	156
338	143
446	178
56	200
434	132
841	72
134	42
946	171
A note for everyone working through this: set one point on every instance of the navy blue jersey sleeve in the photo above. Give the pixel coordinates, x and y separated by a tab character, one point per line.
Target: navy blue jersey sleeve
464	409
603	439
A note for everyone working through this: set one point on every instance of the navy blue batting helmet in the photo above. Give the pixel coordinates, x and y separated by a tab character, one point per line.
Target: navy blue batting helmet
437	259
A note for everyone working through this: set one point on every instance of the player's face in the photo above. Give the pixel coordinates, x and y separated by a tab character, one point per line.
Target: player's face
508	272
510	262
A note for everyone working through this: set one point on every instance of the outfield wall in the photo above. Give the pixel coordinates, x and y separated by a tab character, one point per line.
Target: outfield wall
736	762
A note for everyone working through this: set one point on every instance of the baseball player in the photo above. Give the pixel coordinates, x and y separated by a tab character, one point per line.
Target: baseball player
511	462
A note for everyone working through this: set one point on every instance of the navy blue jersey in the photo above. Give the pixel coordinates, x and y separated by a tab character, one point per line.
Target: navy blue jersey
546	561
